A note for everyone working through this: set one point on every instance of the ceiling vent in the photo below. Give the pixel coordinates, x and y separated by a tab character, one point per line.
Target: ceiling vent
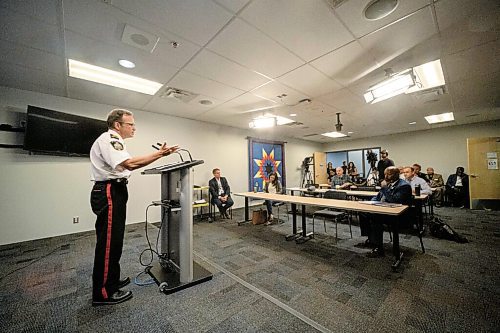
139	38
429	95
178	94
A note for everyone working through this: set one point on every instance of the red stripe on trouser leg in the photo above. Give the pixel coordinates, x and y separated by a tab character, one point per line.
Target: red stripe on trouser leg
108	240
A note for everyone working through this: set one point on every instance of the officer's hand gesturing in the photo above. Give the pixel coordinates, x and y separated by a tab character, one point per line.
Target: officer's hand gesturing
165	150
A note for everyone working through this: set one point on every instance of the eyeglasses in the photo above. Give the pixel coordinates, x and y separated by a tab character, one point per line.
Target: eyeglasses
130	124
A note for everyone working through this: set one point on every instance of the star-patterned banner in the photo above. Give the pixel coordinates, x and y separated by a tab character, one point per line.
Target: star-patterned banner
265	157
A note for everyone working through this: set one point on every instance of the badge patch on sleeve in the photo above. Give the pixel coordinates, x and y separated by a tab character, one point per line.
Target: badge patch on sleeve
117	145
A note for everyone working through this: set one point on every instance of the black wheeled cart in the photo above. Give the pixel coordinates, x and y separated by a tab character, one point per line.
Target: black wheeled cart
176	269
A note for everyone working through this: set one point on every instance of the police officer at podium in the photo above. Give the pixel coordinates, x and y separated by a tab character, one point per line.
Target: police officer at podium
111	166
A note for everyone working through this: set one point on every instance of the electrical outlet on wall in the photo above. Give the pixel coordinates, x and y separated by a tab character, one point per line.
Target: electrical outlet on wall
76	219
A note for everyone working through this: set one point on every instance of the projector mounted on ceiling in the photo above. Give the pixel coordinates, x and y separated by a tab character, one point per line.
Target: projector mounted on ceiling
338	125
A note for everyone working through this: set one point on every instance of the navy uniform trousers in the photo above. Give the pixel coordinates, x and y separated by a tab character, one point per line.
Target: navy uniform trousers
109	202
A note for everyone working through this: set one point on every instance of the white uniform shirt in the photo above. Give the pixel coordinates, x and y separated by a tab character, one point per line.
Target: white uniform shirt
106	154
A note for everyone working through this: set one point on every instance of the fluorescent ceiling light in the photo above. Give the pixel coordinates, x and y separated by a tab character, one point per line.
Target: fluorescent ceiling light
395	85
334	134
412	123
263	122
283	121
126	63
293	114
440	118
97	74
429	75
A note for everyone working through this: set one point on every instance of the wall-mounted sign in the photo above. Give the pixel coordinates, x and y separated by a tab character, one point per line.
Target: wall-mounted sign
492	164
491	154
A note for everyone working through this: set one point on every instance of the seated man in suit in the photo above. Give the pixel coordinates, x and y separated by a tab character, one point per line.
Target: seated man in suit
220	193
340	180
394	190
437	184
457	188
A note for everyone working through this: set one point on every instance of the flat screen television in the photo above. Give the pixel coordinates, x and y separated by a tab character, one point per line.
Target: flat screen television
57	133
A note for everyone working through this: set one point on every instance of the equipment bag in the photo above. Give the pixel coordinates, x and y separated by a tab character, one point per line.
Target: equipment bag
440	229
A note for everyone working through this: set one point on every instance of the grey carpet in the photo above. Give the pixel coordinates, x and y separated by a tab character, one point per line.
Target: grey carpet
266	284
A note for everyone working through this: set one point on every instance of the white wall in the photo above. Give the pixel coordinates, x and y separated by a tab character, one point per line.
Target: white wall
41	194
442	148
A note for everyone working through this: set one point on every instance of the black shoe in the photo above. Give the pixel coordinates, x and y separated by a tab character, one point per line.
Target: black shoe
117	297
123	283
376	253
227	216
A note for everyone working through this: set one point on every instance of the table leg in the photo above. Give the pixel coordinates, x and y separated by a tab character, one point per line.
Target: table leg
420	226
247	218
398	255
304	236
294	233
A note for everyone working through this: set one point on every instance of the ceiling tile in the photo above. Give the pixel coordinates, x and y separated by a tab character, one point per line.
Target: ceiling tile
217	68
100	93
32	58
394	40
251	48
232	5
25	30
194	20
351	13
148	66
309	81
343	100
306	23
472	62
199	85
274	89
347	64
21	77
465	24
244	104
175	107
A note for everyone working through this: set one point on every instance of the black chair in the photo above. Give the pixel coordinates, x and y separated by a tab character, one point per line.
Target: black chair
332	214
278	204
212	212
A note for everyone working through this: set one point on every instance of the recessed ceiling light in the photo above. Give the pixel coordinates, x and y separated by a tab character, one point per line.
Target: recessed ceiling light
440	118
379	9
293	115
206	102
350	132
126	63
412	123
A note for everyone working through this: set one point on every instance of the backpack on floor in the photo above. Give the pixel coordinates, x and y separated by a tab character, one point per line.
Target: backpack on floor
440	229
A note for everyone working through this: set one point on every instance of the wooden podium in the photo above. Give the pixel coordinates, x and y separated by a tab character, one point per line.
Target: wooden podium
175	269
